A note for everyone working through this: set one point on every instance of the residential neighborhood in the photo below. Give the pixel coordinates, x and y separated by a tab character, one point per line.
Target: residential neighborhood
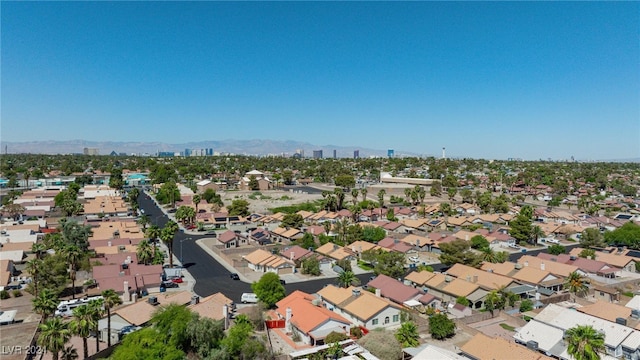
436	276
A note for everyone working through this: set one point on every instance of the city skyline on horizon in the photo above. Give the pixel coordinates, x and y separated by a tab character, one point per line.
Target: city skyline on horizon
486	80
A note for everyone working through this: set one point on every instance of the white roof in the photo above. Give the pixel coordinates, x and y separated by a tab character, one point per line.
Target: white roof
412	303
434	352
254	172
545	335
564	319
14	255
632	341
634	303
203	182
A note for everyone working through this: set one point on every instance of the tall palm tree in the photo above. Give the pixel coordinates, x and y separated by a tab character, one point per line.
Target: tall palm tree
144	252
575	283
34	267
144	221
407	193
167	235
74	255
45	303
354	195
82	323
153	233
196	200
54	334
363	191
584	342
381	194
96	307
346	278
111	300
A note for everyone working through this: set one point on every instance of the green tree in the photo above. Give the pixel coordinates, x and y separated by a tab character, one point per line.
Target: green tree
391	216
147	344
584	342
292	221
344	264
588	253
521	228
69	353
205	335
45	303
239	208
381	194
166	235
463	301
345	181
74	233
556	249
82	324
311	266
576	285
96	308
389	263
211	197
441	327
479	242
115	179
628	235
408	335
111	300
269	289
238	335
436	189
373	234
54	334
526	305
592	237
172	320
458	252
74	256
347	278
253	183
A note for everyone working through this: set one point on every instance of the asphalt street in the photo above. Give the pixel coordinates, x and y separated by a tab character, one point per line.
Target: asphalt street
210	275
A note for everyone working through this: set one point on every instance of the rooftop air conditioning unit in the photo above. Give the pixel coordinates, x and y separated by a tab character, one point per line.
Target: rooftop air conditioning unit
448	278
635	313
153	300
533	345
621	321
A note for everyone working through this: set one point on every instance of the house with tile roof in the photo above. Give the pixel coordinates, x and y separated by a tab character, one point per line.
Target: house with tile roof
449	289
393	289
305	316
295	253
557	269
487	280
395	245
264	261
361	307
336	252
212	307
614	259
483	347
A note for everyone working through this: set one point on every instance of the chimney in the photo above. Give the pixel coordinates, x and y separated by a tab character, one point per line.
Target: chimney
291	254
526	263
109	243
225	315
542	265
378	292
287	323
126	296
475	279
466	237
312	231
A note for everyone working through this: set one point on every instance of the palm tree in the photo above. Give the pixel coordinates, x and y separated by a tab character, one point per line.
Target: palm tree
196	200
354	195
74	256
381	194
82	324
407	334
536	232
363	191
69	353
167	238
575	283
54	334
584	342
407	193
144	252
34	267
346	278
153	233
96	307
111	300
45	303
144	221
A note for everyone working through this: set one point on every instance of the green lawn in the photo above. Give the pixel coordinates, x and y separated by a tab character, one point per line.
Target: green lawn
507	327
365	266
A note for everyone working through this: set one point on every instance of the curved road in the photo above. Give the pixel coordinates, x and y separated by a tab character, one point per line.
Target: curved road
210	275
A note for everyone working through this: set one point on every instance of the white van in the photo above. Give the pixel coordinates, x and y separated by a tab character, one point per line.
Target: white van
249	298
552	241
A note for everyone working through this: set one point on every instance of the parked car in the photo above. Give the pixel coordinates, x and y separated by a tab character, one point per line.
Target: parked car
234	276
177	280
414	259
249	298
169	284
283	282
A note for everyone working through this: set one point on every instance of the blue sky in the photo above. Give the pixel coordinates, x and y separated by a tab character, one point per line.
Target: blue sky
485	79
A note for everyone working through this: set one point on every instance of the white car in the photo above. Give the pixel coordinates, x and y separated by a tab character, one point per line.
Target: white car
249	298
414	259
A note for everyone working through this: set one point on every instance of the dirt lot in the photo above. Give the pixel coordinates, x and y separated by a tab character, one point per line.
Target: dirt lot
261	202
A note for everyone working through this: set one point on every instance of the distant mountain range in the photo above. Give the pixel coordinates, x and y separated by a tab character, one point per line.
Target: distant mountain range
230	146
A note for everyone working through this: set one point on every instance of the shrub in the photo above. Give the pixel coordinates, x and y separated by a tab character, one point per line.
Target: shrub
356	332
334	336
382	344
4	294
17	293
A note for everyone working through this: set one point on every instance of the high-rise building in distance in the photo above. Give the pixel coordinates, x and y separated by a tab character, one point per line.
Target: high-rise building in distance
356	154
317	154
